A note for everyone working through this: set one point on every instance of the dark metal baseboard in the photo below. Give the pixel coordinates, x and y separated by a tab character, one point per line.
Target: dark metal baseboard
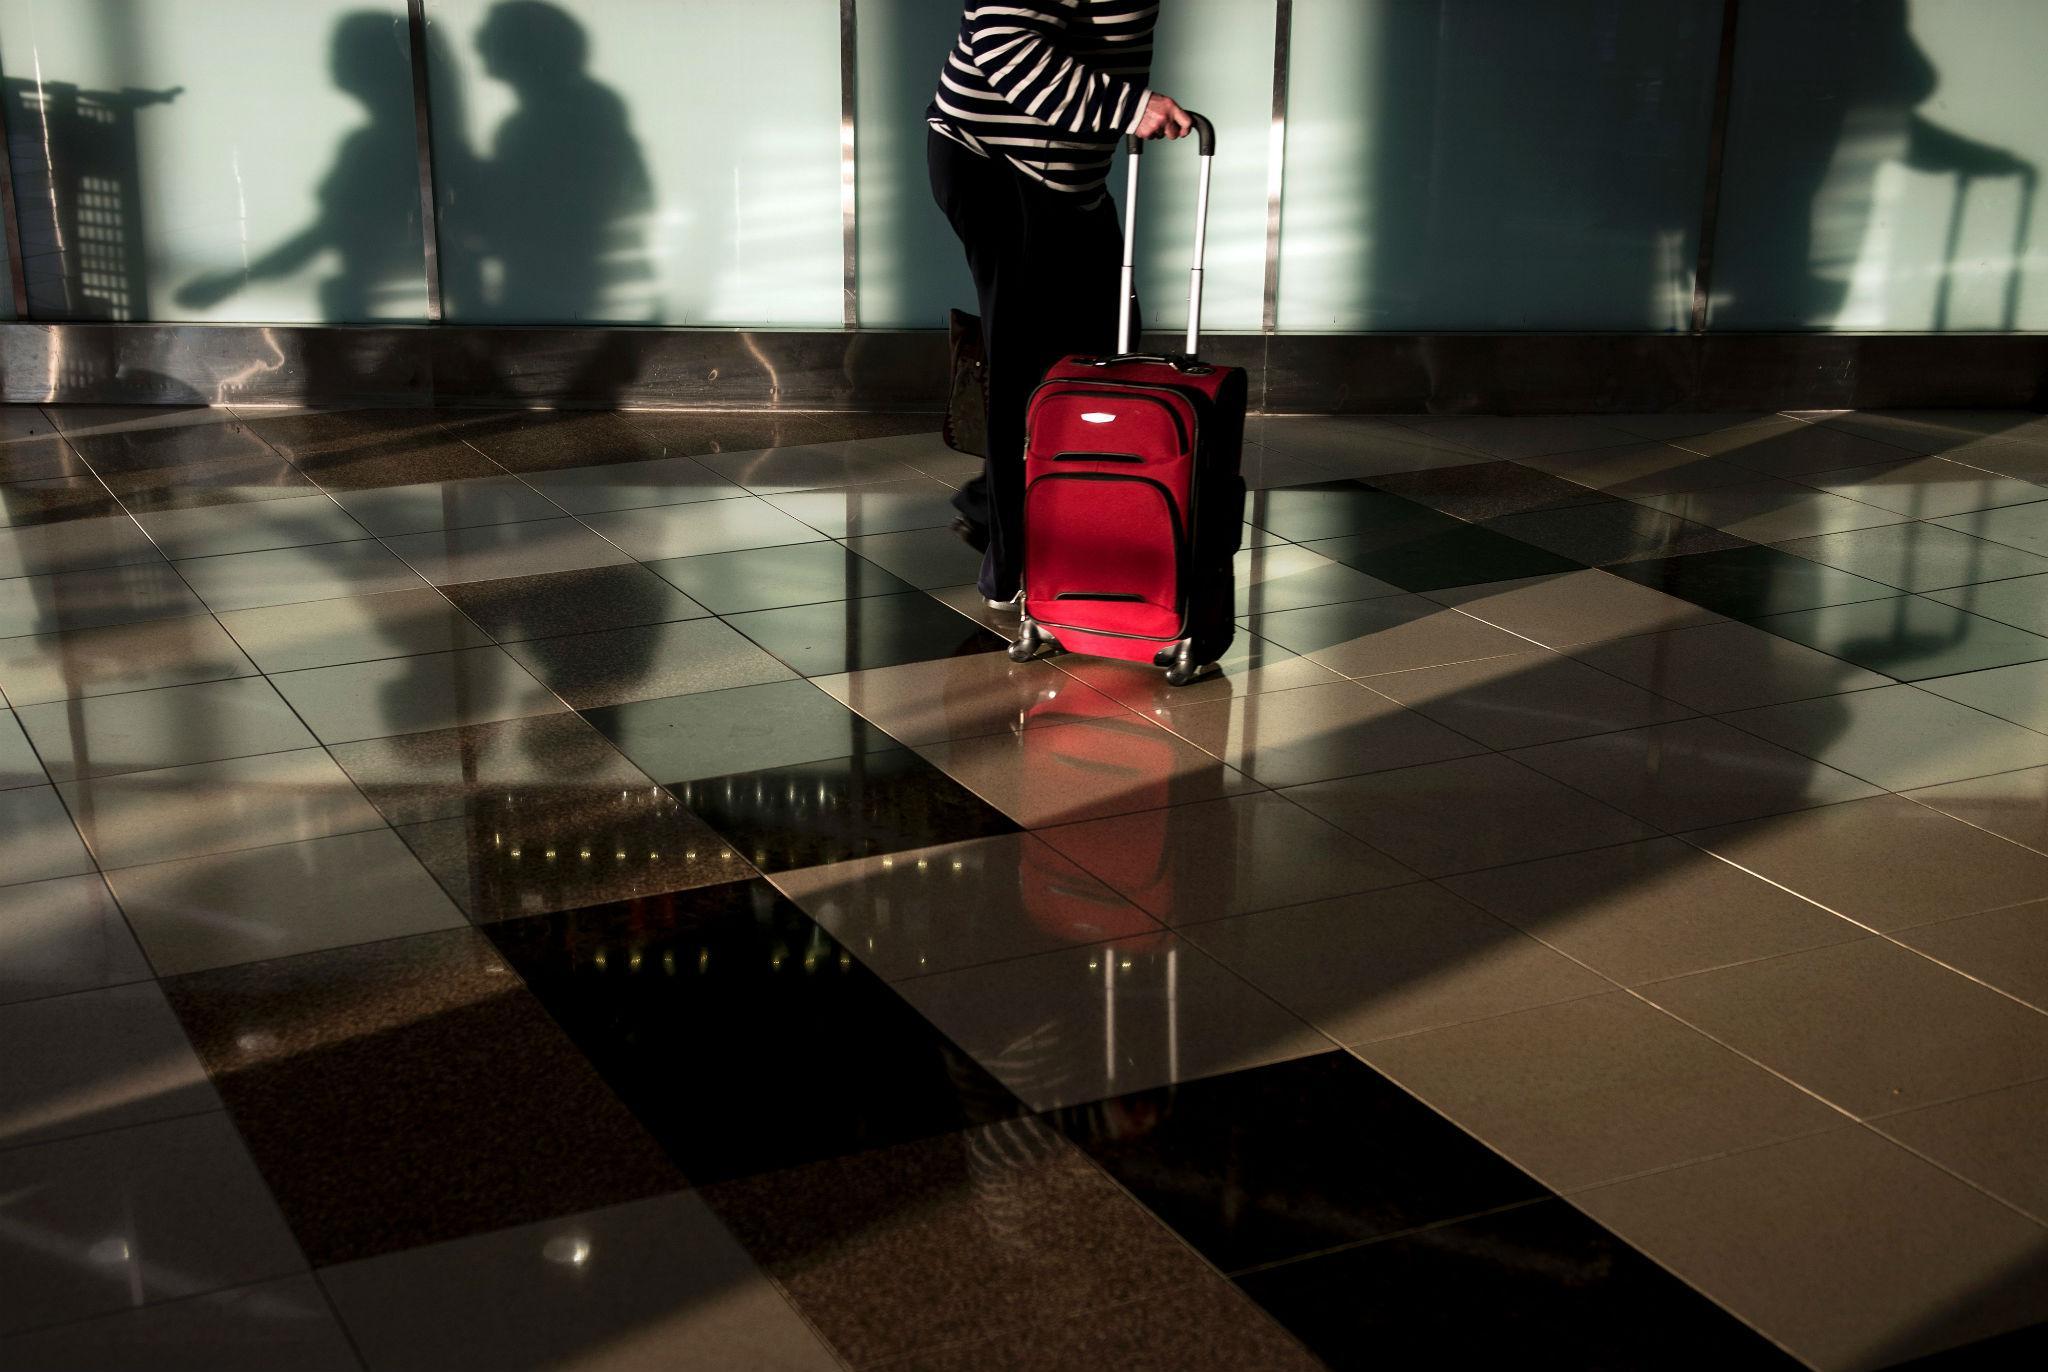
252	364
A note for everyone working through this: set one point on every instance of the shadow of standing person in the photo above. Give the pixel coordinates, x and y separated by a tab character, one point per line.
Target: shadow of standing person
567	190
376	168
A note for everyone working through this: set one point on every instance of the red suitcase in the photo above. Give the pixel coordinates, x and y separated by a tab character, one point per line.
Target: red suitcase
1133	499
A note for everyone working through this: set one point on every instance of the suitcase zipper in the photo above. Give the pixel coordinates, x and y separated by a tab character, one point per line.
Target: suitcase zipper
1181	539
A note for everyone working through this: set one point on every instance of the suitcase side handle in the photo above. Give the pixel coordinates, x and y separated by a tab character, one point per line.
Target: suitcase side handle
1205	136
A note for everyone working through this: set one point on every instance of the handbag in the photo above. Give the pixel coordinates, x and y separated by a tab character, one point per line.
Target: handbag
966	428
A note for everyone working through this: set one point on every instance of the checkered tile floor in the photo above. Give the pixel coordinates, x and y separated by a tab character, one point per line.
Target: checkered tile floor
494	891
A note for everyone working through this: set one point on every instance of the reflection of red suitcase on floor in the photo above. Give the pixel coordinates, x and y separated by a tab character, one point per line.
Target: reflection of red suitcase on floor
1133	503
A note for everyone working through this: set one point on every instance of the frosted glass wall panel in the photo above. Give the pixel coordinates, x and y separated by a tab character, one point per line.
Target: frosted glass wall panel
1881	167
1215	56
911	267
1495	164
214	159
638	161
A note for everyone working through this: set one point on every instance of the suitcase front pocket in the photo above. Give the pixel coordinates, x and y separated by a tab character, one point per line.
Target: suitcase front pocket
1103	553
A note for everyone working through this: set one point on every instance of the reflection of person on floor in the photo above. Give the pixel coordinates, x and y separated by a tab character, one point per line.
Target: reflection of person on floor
566	191
1031	102
377	168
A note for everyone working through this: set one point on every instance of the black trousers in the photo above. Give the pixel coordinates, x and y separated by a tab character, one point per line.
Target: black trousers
1046	275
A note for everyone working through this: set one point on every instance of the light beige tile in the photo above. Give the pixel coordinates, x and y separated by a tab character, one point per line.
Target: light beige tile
160	1211
1596	1089
212	807
293	521
652	1283
409	695
1290	738
37	838
2020	601
328	633
285	576
1525	698
926	558
2012	805
1884	862
1715	668
2017	526
1771	511
259	1328
932	910
1693	773
145	730
1641	912
106	595
1082	1024
1251	667
1574	607
1466	814
1928	487
1842	1247
18	763
1780	446
968	697
393	510
712	526
2006	949
489	552
1071	772
1900	737
1284	576
95	1060
1917	557
62	935
1993	1140
1869	1026
119	657
1398	633
883	507
1386	963
805	467
2018	693
1637	470
1191	863
73	545
229	908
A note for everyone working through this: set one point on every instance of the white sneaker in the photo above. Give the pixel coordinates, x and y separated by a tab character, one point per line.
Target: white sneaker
1007	607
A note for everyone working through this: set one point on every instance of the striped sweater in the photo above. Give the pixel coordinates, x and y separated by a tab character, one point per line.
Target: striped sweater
1048	84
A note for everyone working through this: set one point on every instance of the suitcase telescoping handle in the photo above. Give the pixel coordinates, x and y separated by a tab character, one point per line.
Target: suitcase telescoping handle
1205	133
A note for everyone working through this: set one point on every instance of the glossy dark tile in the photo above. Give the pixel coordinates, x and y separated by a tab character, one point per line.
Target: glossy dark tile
746	729
897	1249
1278	1162
1746	583
534	763
840	809
565	851
53	500
410	1091
1334	509
584	601
1615	532
772	578
1909	637
849	635
741	1034
1540	1283
401	454
545	440
1486	490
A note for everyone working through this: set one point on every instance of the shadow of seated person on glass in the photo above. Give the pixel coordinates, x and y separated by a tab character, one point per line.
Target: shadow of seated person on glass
376	168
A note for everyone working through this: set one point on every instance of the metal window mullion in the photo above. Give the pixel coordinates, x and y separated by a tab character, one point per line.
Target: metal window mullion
1276	160
423	144
1717	147
849	164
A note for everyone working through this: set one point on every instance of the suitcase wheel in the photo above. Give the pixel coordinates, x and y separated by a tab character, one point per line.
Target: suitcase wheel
1031	641
1181	666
